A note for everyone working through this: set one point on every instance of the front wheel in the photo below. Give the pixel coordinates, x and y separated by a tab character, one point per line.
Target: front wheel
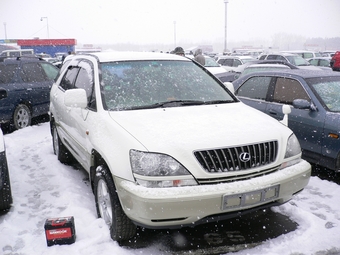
109	207
22	117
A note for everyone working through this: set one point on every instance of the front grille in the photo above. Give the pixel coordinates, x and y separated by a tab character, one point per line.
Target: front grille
230	159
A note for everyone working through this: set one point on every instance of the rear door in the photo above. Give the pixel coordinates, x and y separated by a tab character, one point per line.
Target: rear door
37	85
16	92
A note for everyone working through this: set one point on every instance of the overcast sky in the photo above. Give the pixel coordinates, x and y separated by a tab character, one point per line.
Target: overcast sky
167	21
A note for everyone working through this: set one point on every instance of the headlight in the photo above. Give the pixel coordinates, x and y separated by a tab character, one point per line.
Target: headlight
293	147
159	170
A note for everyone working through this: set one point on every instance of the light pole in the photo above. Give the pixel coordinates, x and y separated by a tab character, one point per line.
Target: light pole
5	32
225	26
48	32
174	34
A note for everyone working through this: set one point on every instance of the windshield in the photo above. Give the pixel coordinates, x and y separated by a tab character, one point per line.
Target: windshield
253	69
146	84
209	62
328	91
297	61
246	60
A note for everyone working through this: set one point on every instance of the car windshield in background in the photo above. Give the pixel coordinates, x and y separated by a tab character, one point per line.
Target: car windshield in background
297	61
209	62
262	68
146	84
328	90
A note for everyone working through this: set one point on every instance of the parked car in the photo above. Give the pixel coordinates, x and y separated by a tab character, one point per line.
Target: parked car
25	84
6	198
327	53
315	114
257	66
335	61
294	59
215	68
306	54
15	53
230	63
166	144
323	62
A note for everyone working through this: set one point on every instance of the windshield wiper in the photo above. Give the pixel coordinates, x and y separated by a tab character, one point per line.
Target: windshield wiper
219	101
176	103
172	103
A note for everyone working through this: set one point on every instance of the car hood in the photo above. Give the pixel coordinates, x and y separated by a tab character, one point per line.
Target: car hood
310	67
189	128
216	69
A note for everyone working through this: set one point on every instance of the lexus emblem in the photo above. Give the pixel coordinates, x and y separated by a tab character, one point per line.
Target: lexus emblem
244	157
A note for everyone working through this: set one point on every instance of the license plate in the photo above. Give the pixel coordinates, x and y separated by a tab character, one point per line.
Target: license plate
250	198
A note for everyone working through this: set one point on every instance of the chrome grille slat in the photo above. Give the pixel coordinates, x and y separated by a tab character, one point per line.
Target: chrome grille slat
228	159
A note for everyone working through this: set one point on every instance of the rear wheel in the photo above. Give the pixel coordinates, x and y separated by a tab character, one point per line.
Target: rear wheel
109	207
22	117
63	154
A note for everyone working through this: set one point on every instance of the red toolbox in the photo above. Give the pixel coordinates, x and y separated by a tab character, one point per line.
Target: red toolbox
60	231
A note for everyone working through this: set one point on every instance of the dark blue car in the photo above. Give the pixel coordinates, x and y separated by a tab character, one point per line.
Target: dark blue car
25	84
314	97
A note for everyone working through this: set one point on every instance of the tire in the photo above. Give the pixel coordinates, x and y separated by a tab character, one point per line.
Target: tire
59	149
5	191
22	117
109	208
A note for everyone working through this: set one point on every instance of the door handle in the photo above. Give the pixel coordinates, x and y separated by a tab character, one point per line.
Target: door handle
272	112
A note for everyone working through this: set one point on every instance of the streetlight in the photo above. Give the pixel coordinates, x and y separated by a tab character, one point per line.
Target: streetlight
175	34
5	32
225	27
48	33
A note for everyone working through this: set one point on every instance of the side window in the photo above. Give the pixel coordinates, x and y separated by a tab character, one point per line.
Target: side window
85	80
255	87
286	90
324	62
50	70
314	62
221	61
308	55
278	57
69	77
228	62
14	54
7	73
271	57
263	57
237	63
32	72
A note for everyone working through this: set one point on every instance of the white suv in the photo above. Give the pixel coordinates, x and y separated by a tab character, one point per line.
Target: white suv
165	143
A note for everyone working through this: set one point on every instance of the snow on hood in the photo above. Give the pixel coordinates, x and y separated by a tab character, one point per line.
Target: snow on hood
199	127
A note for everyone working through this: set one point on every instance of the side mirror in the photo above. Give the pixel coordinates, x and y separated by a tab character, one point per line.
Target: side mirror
286	110
3	93
229	86
301	104
75	98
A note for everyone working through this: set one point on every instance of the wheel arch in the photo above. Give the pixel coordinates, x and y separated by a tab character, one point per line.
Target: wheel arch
96	160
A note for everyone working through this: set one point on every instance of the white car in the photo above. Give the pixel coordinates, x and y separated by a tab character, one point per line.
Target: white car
166	144
5	185
230	63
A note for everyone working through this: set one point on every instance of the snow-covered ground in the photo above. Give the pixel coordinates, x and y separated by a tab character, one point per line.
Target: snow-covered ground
44	188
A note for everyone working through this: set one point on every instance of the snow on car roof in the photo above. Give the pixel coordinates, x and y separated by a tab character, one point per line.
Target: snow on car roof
108	56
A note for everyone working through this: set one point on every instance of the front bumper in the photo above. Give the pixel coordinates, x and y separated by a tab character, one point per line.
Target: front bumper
177	207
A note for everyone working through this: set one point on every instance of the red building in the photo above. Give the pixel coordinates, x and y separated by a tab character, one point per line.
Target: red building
48	46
